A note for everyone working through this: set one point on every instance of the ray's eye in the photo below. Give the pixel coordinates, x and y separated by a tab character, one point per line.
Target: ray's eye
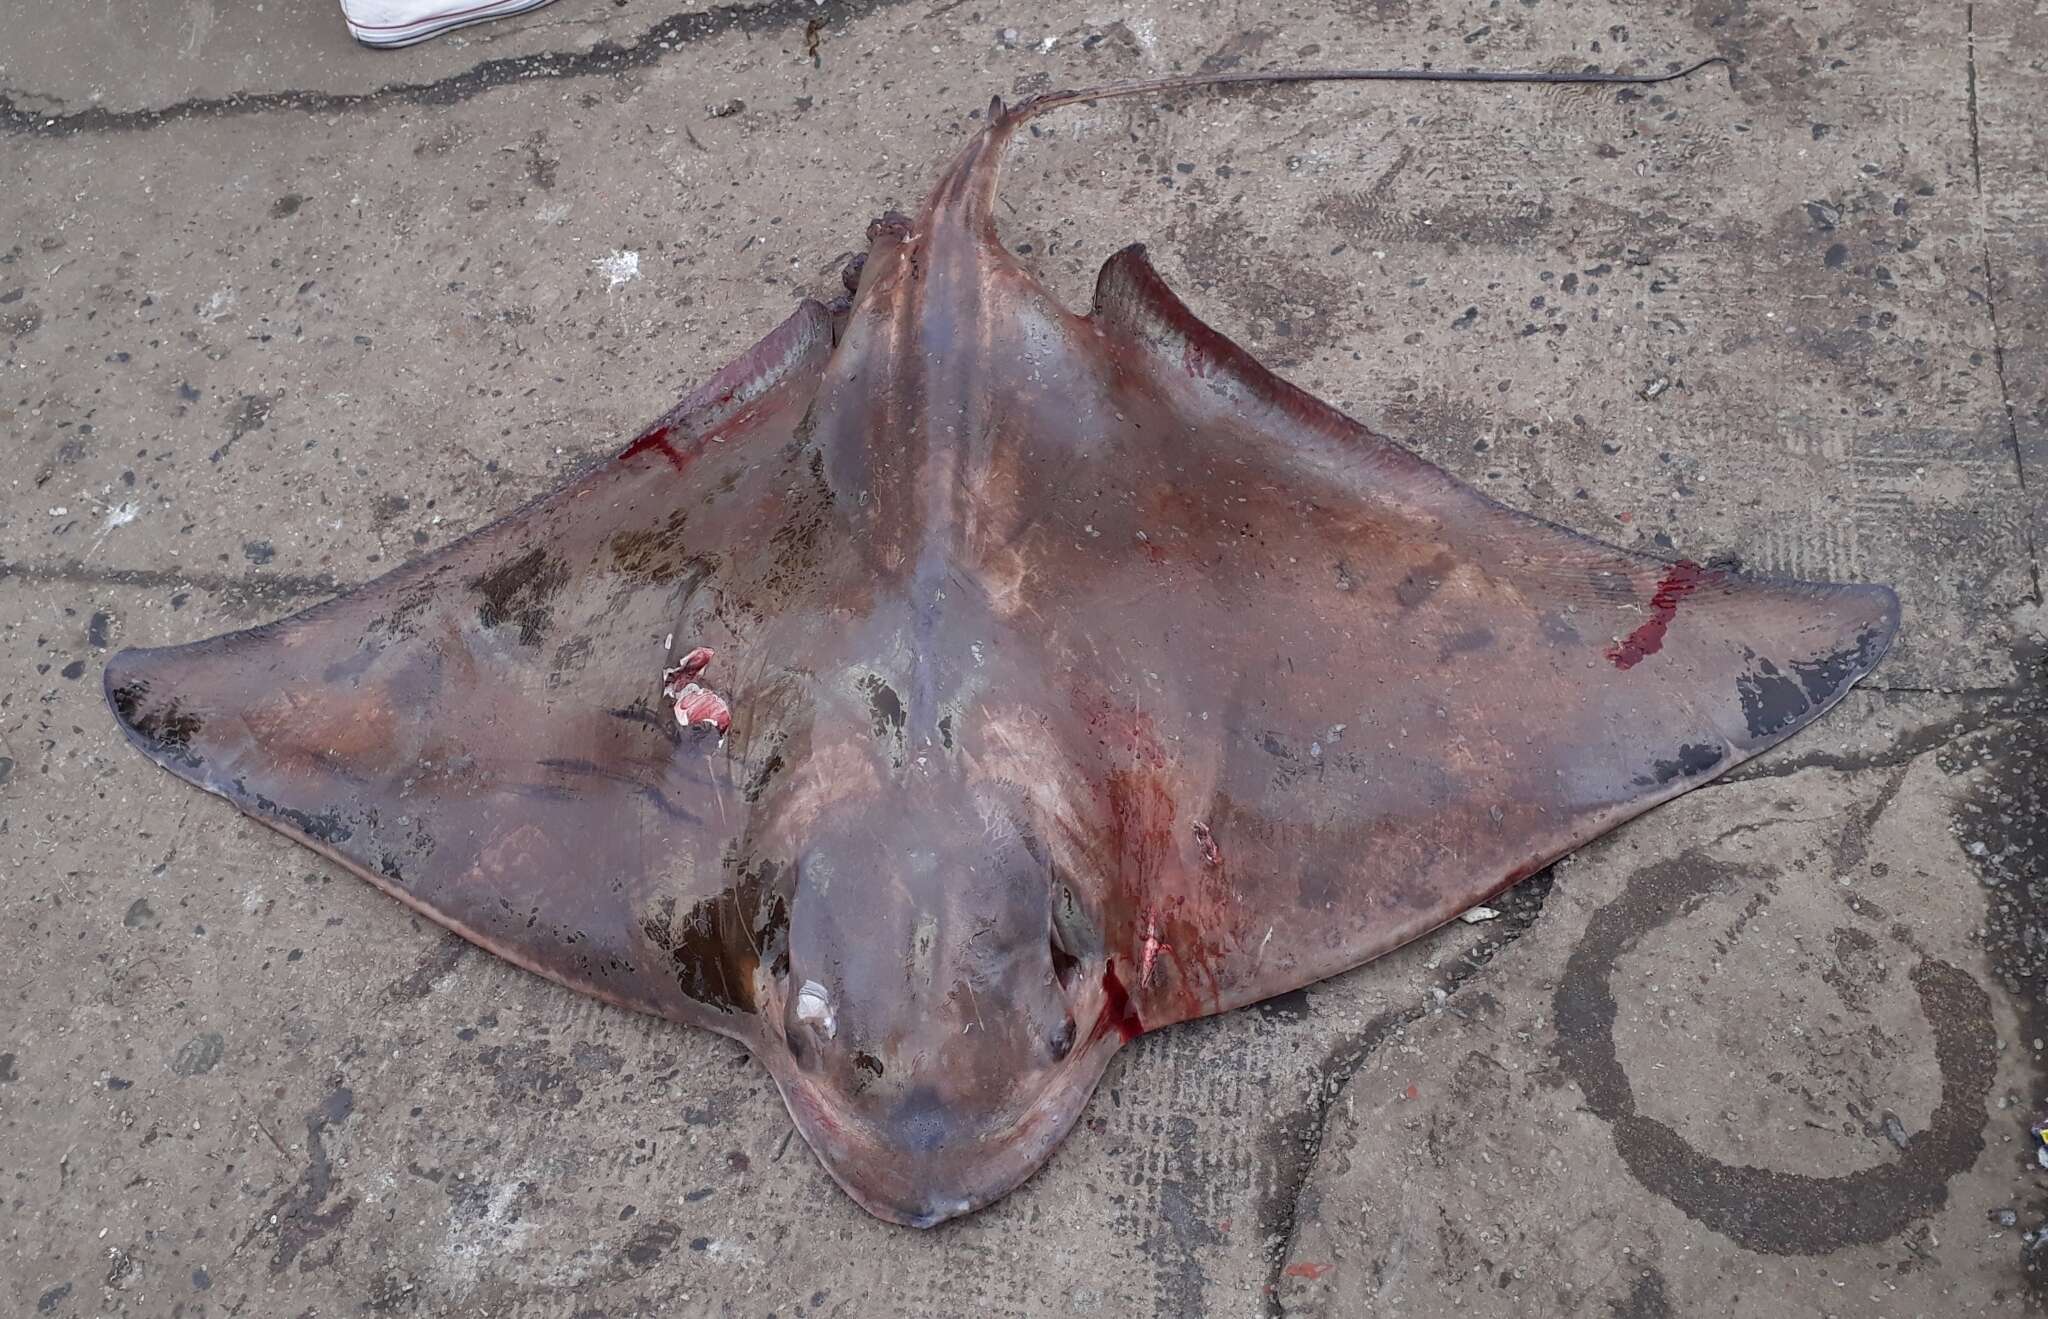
1061	1041
1072	936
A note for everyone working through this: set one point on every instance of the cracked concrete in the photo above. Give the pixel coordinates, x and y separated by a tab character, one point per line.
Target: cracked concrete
278	314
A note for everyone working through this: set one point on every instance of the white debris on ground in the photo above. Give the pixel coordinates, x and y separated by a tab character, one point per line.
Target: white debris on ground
1478	914
620	267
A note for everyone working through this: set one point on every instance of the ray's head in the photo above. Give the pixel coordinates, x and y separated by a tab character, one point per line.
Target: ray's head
936	1034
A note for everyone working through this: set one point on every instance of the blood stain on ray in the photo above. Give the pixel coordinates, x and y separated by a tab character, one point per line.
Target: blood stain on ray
1684	578
1117	1012
656	440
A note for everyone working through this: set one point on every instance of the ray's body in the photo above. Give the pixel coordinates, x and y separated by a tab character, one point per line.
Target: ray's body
1078	676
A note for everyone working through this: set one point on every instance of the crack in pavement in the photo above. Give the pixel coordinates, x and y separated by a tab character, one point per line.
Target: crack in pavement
1519	908
651	47
2012	428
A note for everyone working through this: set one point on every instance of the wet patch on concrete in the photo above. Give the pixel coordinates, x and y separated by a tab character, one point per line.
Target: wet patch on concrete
303	1216
1762	1209
2001	823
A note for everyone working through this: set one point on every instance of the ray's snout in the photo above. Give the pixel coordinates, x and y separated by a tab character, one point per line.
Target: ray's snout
927	1158
929	1036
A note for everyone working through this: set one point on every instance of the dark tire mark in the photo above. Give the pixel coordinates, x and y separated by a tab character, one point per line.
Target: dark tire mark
1775	1213
249	592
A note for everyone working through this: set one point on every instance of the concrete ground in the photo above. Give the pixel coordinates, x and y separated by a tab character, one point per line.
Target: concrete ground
277	314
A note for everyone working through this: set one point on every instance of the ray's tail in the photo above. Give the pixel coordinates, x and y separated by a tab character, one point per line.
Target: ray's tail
964	196
1038	105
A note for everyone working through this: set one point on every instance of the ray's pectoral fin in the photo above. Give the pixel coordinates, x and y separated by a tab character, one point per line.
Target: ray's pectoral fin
1399	696
483	733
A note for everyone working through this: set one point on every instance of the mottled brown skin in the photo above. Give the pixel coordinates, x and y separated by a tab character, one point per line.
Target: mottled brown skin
1084	678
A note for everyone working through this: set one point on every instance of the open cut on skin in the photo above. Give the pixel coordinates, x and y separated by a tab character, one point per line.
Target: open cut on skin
956	687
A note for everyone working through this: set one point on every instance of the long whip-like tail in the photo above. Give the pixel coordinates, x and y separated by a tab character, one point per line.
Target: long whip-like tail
1053	100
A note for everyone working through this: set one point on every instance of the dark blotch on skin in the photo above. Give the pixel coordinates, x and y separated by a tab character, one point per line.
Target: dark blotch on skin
326	827
712	946
1471	640
168	731
1771	701
1422	583
659	555
519	592
757	785
1823	678
885	707
1693	759
920	1122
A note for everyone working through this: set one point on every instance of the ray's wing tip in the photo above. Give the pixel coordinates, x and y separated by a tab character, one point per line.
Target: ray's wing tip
123	684
1779	699
1885	600
126	682
1871	613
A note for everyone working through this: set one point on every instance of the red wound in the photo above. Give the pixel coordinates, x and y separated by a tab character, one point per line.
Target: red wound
1117	1012
656	441
1684	578
695	704
700	705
